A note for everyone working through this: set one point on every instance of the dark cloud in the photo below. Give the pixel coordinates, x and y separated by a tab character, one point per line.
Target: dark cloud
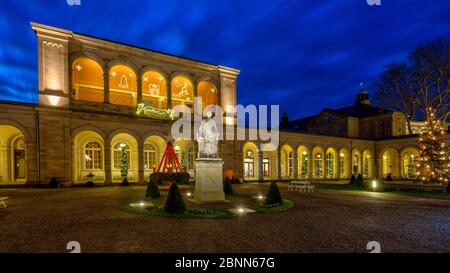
303	55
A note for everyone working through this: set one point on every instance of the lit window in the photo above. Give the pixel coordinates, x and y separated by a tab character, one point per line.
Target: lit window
93	156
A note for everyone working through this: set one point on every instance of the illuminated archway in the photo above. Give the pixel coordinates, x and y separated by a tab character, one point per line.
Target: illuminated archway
410	157
122	85
250	160
208	93
185	151
344	164
182	91
331	163
13	164
287	161
154	89
129	142
87	80
356	162
154	147
269	161
88	157
389	163
303	158
318	162
367	165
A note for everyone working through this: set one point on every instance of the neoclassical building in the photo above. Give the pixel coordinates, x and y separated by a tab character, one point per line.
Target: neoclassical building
96	96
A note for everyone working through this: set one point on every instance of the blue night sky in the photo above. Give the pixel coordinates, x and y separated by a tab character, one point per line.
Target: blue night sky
301	54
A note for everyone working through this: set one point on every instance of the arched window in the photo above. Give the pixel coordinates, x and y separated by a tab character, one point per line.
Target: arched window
318	165
190	158
87	80
290	164
154	89
304	164
117	154
93	156
341	164
355	163
149	156
330	165
182	91
409	166
122	86
208	92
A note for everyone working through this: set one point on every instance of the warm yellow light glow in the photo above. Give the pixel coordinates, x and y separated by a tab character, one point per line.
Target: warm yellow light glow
54	100
374	184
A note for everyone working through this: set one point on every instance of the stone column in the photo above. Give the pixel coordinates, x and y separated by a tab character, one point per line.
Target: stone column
325	167
141	178
295	166
139	90
169	96
399	167
260	165
106	87
278	165
310	164
108	175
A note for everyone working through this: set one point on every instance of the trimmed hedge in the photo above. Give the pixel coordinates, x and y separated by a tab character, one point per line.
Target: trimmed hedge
152	189
227	187
179	178
273	196
174	201
448	188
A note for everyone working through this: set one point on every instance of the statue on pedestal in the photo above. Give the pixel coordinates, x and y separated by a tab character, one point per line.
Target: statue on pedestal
207	137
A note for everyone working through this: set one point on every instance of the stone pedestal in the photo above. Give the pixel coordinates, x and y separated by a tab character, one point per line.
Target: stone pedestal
208	180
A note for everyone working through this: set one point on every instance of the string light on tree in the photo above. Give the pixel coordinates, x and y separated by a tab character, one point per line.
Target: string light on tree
434	157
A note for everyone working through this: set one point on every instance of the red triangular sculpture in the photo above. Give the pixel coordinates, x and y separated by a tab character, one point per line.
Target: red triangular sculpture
169	162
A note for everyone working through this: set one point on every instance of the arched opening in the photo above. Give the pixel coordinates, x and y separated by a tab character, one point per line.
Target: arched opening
250	158
410	157
287	162
367	168
89	157
208	93
389	162
331	163
269	161
184	149
344	164
13	163
129	144
122	86
318	162
182	91
87	80
154	89
303	162
356	162
154	147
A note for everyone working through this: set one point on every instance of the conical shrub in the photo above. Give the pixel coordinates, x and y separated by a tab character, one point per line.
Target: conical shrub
152	189
352	180
359	180
227	186
174	201
273	196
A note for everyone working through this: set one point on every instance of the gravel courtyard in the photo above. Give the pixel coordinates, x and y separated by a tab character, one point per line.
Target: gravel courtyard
44	220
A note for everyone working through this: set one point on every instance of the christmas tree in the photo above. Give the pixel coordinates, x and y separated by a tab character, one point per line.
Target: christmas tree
123	160
434	158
